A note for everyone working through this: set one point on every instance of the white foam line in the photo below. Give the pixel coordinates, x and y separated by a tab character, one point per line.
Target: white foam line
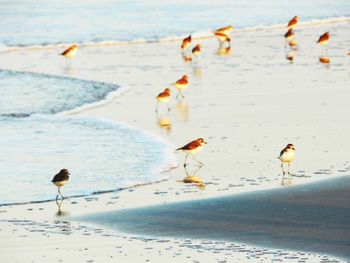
195	35
111	96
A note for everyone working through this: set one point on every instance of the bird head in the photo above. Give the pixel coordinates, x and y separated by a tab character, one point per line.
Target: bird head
290	146
201	141
64	171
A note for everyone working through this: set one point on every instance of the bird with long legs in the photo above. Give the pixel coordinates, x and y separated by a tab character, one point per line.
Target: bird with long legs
180	85
192	148
323	41
163	97
70	53
287	155
60	180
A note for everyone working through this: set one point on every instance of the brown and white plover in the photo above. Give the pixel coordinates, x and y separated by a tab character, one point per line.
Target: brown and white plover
192	148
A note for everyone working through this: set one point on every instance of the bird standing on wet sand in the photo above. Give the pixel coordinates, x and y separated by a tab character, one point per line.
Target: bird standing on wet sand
293	22
323	40
163	97
193	148
70	52
60	180
186	42
196	51
224	30
181	84
287	156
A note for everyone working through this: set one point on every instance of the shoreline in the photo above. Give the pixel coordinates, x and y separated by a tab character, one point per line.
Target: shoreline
199	35
225	96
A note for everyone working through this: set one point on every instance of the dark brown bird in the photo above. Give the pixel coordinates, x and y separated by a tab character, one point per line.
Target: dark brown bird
60	180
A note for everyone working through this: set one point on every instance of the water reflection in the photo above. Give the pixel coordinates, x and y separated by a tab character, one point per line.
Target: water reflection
164	122
60	212
193	178
182	107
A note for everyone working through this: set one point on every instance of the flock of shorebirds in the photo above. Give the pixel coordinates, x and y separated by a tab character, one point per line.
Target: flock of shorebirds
191	54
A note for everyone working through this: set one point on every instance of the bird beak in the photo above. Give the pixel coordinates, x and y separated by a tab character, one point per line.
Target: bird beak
205	142
68	173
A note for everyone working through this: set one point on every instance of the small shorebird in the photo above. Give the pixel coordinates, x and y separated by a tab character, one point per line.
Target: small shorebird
186	42
196	51
163	97
222	38
293	22
287	156
323	40
60	180
224	30
181	84
289	35
70	52
193	148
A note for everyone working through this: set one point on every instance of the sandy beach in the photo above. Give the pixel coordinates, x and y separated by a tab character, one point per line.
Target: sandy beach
247	104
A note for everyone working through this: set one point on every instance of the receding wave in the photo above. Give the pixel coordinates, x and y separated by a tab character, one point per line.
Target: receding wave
101	156
25	93
203	34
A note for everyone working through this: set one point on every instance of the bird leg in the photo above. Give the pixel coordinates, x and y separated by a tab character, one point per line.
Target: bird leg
185	160
289	168
200	163
283	169
60	192
157	107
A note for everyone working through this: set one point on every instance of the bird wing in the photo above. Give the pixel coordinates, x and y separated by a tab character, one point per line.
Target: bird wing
190	146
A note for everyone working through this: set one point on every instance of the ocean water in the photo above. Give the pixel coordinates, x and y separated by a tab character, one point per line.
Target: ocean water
25	93
35	142
27	23
100	155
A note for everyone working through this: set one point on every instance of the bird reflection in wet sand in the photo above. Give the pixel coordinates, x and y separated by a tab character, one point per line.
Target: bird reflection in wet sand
182	107
60	212
164	122
223	51
193	178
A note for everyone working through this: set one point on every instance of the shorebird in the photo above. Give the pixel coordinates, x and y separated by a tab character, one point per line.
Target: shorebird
181	84
293	22
288	36
70	52
163	97
193	148
287	156
223	51
224	30
222	38
196	51
186	42
60	180
323	40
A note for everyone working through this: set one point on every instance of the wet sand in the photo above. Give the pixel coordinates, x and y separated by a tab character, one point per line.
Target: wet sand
311	217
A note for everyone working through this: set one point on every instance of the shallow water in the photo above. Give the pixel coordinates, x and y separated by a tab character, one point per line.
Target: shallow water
27	93
100	156
26	23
